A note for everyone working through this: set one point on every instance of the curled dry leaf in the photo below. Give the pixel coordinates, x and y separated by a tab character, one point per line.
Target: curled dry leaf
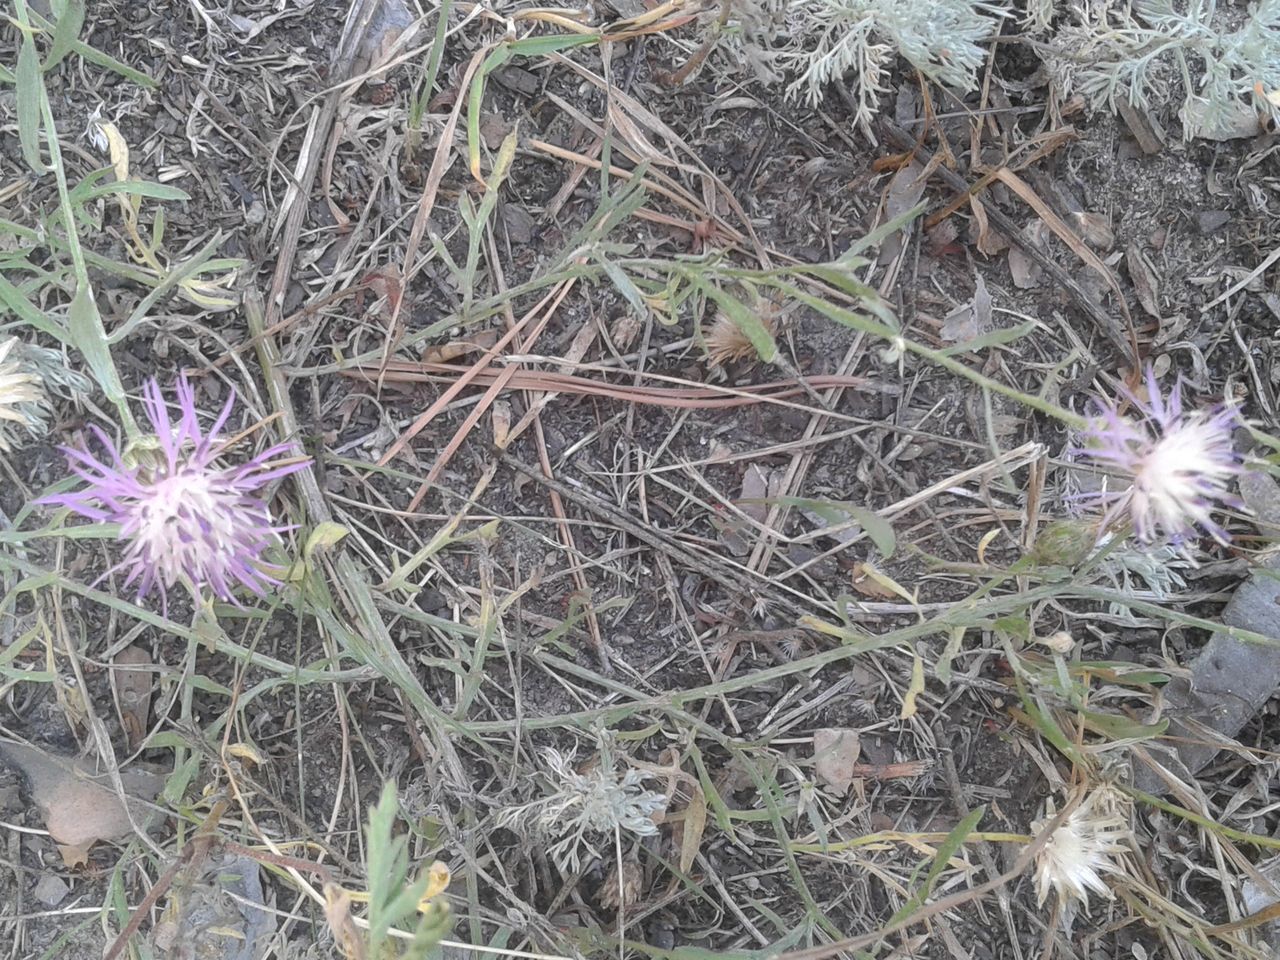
131	684
387	284
759	486
79	805
1145	283
988	241
970	320
863	578
501	423
337	911
390	30
1026	272
622	888
448	352
905	190
624	329
835	757
1095	229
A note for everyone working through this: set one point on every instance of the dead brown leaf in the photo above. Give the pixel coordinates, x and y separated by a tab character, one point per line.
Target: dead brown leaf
904	192
131	683
1025	271
1145	283
337	911
79	807
695	822
869	586
448	352
1095	228
970	320
835	757
989	242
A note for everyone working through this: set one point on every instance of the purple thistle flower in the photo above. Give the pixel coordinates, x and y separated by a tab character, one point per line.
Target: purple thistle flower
184	516
1179	463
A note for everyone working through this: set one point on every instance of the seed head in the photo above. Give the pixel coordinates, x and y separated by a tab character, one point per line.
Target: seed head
182	515
1078	853
1178	464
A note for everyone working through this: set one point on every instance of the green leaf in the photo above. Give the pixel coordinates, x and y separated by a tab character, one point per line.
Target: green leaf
82	190
475	102
630	292
84	326
325	535
876	236
1050	730
29	90
946	850
542	46
65	33
137	188
993	339
1115	727
841	277
943	667
199	263
29	313
837	511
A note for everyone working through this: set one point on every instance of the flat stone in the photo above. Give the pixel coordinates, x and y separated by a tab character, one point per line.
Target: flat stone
50	889
1230	679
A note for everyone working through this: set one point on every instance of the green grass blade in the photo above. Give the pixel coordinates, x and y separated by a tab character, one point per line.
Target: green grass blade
946	850
66	33
29	88
28	313
84	325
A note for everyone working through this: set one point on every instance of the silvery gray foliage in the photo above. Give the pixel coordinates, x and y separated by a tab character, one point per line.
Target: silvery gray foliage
28	374
580	805
1218	60
831	38
1155	568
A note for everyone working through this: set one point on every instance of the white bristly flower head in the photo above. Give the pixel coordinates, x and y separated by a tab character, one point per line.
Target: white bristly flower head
1178	464
1080	851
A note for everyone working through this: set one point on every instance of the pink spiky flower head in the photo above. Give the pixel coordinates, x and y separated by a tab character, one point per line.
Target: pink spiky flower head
1179	464
182	515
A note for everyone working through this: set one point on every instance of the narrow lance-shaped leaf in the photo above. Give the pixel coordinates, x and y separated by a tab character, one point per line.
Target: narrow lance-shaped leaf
65	33
29	89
